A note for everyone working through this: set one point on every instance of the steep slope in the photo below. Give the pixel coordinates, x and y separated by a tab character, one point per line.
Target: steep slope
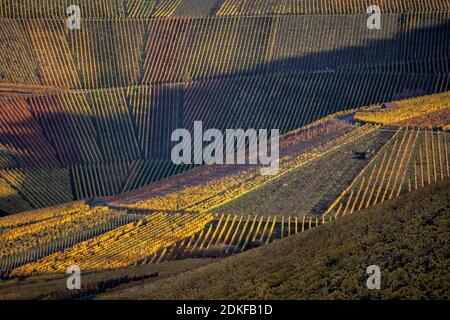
408	238
72	102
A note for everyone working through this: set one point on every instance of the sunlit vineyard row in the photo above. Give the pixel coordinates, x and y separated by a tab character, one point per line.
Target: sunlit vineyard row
99	8
35	216
99	180
413	159
182	50
206	196
273	97
105	179
167	8
183	236
72	222
93	132
319	182
112	150
123	246
44	249
316	129
35	251
159	237
408	109
230	234
143	118
327	7
438	119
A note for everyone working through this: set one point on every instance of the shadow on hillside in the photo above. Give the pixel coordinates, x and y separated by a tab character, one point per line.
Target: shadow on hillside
284	94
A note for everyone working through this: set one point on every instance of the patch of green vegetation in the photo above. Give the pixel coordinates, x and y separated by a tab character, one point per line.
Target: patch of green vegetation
407	237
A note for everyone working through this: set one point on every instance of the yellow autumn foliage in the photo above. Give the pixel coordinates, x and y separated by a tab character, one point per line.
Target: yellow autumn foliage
408	108
70	222
123	246
207	196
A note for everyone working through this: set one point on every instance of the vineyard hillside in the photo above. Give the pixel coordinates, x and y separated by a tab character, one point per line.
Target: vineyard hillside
421	112
224	149
326	176
173	8
100	119
329	262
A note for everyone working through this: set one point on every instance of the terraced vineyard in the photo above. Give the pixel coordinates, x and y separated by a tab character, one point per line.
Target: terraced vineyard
154	8
315	183
87	117
123	246
206	195
73	221
179	225
104	116
231	234
413	159
324	7
411	111
186	49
